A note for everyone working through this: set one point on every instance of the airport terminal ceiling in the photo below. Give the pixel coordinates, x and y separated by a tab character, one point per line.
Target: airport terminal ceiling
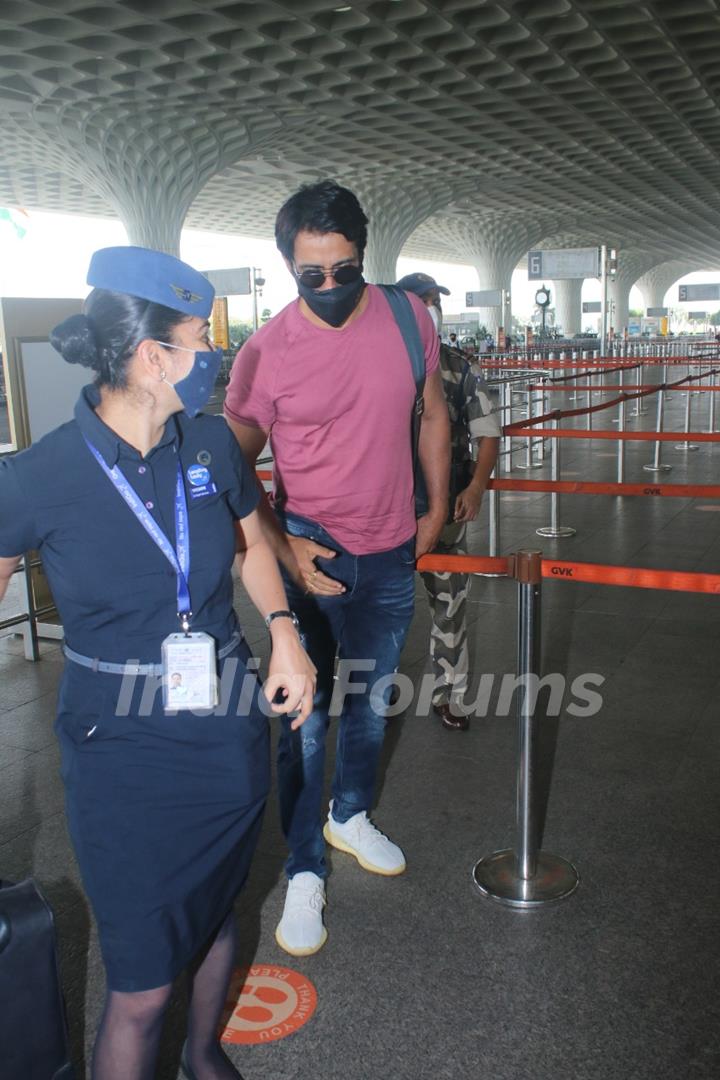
454	120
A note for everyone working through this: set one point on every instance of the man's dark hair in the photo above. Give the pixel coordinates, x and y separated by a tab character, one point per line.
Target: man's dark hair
321	208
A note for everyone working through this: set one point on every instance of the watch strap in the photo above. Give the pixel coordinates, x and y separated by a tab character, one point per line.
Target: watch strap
285	614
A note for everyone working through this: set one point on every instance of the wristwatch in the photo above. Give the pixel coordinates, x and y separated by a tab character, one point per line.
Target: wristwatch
282	615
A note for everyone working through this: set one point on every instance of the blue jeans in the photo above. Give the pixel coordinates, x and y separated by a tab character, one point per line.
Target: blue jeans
367	624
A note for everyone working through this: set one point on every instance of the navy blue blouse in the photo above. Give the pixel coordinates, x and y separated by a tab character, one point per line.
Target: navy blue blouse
113	587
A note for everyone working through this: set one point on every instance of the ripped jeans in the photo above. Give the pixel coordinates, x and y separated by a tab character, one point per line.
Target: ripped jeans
366	627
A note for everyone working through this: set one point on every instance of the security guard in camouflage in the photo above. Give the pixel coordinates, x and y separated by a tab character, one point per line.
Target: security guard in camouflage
473	422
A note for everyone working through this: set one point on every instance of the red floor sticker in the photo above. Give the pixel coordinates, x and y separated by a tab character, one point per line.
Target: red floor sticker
266	1003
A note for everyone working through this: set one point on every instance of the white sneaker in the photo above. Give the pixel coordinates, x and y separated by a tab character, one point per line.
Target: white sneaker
300	932
372	849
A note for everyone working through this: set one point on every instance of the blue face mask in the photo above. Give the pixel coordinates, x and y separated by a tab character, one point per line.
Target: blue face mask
195	390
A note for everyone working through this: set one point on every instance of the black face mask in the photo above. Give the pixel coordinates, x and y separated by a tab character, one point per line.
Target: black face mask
334	305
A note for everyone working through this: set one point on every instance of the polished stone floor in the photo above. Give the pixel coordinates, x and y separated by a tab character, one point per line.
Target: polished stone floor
421	977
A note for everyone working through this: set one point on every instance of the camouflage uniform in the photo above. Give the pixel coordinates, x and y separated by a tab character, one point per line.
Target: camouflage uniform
471	418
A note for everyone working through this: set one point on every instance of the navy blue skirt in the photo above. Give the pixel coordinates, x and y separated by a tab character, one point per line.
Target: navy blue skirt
163	811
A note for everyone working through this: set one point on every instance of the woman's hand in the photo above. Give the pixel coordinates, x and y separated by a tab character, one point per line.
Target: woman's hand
291	672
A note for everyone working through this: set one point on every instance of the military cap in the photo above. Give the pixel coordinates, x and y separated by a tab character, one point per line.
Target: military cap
420	284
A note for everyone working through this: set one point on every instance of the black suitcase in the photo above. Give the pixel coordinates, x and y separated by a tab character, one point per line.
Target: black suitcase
33	1032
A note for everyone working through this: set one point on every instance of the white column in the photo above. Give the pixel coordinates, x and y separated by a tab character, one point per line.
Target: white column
148	165
394	210
494	272
492	243
656	282
566	300
618	303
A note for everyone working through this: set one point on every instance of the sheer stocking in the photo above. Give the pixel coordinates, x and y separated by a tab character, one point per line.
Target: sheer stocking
209	988
127	1040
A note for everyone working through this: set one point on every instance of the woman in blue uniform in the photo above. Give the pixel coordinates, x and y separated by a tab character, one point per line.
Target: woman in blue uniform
138	507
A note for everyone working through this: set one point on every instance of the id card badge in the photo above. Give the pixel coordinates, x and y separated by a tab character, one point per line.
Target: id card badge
189	675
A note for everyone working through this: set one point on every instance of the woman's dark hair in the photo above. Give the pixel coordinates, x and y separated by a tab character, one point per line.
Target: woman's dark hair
109	331
321	208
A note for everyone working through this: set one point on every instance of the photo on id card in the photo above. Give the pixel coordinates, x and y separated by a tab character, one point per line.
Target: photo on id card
189	676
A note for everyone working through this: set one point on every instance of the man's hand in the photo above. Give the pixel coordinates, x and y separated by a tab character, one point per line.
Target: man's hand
429	527
467	504
306	572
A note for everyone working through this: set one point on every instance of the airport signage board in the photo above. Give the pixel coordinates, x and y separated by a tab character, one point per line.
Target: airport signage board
698	292
219	324
657	312
563	264
230	282
484	298
591	307
699	315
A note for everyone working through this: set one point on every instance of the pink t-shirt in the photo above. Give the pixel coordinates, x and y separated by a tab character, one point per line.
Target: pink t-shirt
338	406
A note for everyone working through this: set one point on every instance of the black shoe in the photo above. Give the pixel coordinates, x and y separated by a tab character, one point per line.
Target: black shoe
189	1074
450	720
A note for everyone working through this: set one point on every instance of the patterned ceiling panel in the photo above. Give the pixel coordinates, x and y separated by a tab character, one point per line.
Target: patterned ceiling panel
463	118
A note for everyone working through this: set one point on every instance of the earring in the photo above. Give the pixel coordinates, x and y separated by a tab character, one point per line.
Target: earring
163	376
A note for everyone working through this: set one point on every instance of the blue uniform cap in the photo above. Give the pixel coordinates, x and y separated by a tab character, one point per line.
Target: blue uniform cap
152	275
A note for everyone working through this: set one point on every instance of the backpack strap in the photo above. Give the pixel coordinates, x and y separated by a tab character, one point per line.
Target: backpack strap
406	321
407	325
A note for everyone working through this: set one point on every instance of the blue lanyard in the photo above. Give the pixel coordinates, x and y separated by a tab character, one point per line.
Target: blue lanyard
178	557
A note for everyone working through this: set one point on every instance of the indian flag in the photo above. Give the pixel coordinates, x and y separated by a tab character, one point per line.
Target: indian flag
16	217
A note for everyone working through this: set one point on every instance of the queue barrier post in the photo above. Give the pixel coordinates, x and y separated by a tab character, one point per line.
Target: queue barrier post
555	529
711	416
639	409
529	463
526	877
621	429
656	465
540	444
687	446
494	516
508	412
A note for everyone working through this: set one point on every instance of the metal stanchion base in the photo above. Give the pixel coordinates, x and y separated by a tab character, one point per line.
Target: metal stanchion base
562	530
657	468
534	465
686	446
496	877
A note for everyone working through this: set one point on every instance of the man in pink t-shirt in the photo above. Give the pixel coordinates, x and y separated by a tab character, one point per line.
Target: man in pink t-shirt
330	382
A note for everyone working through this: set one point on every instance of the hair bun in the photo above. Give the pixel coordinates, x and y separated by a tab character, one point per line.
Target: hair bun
75	340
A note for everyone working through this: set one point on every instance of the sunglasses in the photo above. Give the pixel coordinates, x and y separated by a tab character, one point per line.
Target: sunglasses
341	275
